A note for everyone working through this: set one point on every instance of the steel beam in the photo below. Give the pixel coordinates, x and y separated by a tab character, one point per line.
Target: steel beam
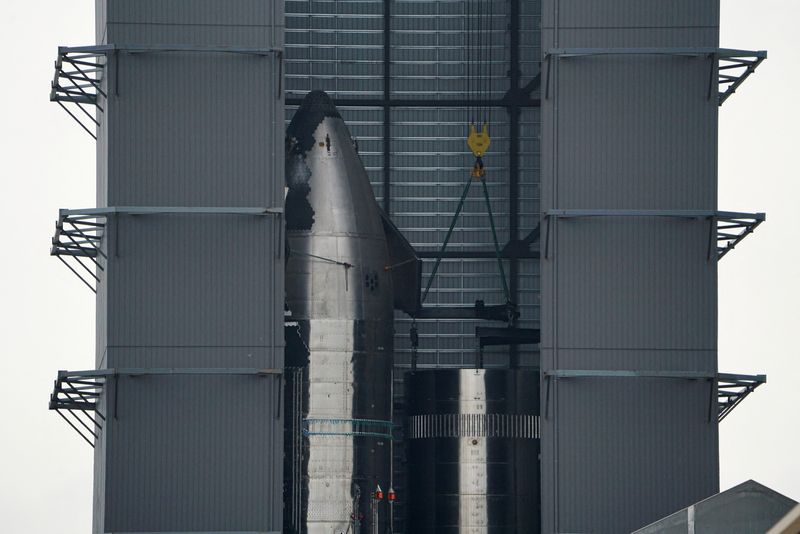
600	373
746	222
685	214
136	371
492	336
387	108
661	51
514	111
505	102
509	252
724	59
168	210
135	48
494	312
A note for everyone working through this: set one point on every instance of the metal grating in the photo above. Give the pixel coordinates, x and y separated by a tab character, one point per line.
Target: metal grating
336	46
431	47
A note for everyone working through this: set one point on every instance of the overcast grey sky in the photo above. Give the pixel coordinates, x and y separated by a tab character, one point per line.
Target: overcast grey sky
759	282
47	315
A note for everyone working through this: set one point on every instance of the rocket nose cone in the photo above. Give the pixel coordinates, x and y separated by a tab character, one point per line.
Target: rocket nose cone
313	109
318	102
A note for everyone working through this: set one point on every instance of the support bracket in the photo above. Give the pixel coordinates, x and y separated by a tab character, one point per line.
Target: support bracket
78	238
80	71
78	392
731	389
731	66
726	228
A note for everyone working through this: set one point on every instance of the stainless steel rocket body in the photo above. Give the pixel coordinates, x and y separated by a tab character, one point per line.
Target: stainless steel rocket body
339	330
473	451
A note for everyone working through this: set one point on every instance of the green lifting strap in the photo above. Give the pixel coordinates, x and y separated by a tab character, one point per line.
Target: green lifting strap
450	234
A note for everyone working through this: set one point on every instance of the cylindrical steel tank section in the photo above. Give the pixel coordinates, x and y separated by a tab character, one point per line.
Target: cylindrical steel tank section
339	332
473	451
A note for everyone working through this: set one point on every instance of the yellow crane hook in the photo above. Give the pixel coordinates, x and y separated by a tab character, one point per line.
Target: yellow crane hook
479	143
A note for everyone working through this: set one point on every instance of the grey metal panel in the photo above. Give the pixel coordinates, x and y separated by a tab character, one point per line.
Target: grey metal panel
193	280
641	447
641	128
196	12
636	284
99	476
630	13
209	22
243	357
193	453
629	37
100	20
157	34
101	199
701	361
163	150
101	298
